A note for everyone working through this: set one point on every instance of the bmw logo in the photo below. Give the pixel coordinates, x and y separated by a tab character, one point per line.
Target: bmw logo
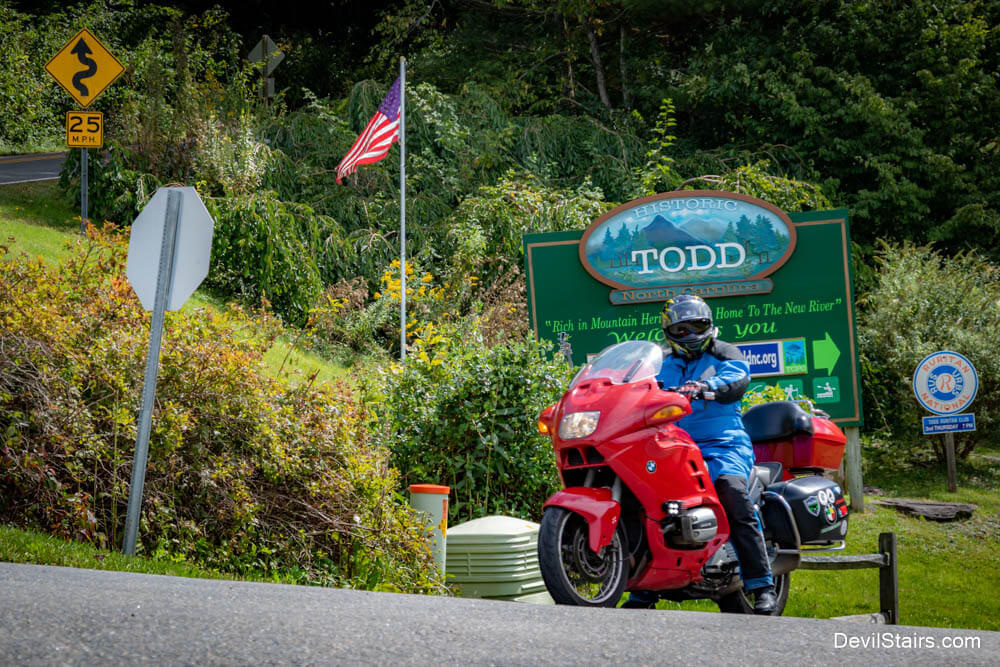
650	466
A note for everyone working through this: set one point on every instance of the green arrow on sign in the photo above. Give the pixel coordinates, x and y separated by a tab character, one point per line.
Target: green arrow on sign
825	353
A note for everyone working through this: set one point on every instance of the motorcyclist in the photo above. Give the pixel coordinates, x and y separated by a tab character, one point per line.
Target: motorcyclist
706	367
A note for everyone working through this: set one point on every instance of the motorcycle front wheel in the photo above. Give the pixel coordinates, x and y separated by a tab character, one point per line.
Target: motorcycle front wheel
572	572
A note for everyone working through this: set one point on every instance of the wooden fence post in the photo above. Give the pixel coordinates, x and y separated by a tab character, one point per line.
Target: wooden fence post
852	467
888	579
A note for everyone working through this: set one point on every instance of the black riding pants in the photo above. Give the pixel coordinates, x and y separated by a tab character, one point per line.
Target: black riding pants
745	533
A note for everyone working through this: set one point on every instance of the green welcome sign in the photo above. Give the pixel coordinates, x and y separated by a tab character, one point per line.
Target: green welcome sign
779	284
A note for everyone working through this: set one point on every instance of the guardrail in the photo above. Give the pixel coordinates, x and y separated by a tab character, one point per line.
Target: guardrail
888	577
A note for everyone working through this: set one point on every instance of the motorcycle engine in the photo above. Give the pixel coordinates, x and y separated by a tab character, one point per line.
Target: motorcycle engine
691	528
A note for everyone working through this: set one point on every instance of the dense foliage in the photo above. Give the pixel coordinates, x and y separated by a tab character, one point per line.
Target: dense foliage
266	249
463	414
145	38
924	302
528	116
892	109
896	103
245	473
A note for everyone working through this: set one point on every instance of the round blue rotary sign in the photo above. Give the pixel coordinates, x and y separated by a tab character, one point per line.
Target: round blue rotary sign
945	382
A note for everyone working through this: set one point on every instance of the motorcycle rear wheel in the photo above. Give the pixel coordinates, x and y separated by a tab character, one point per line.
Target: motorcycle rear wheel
738	602
572	572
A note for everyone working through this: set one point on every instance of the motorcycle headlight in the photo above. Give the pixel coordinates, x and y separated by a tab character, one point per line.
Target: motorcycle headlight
578	425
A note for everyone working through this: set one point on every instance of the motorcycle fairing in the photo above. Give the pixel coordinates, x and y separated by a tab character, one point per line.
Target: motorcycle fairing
596	506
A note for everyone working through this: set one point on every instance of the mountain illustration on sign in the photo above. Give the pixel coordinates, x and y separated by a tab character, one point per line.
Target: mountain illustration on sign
661	233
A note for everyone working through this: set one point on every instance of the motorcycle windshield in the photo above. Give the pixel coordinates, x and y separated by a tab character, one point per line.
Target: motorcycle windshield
631	361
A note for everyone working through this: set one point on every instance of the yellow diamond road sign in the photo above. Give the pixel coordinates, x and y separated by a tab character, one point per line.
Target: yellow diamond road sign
84	68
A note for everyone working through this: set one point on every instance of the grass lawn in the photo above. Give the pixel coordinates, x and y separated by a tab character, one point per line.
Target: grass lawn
38	219
22	546
948	574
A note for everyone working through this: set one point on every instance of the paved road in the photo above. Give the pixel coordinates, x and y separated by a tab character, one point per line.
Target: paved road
23	168
52	615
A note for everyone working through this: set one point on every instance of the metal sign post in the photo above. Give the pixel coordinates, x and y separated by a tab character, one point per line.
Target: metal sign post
946	383
174	233
163	281
83	190
949	455
402	209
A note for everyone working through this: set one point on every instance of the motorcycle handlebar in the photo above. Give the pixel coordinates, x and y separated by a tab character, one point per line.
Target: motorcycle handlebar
705	394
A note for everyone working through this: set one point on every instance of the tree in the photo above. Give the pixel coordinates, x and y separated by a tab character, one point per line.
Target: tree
896	109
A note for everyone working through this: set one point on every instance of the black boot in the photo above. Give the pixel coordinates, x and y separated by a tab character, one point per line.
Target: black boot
640	600
767	601
632	604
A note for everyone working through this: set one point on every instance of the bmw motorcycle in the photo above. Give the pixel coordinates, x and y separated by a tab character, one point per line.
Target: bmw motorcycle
638	511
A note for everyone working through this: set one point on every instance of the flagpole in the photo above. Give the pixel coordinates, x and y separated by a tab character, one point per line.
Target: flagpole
402	209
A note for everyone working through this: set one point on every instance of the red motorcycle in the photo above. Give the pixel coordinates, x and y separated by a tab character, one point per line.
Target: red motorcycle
639	512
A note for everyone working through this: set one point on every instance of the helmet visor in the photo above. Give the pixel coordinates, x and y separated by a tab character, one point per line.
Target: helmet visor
691	327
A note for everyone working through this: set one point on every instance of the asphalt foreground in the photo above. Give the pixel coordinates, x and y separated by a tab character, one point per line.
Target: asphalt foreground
54	615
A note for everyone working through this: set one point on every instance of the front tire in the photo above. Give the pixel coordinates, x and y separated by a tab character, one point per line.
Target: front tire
572	572
738	602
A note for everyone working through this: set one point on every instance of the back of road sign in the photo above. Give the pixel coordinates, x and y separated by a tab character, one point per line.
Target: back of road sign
193	248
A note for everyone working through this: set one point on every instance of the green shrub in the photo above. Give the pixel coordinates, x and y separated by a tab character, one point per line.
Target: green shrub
658	173
462	414
246	474
923	302
486	229
29	120
769	394
117	188
761	179
264	248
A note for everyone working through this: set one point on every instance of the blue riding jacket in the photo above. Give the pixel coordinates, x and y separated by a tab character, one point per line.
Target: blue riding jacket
717	426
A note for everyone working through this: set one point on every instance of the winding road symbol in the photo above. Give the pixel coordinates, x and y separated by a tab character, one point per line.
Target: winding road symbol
82	52
84	68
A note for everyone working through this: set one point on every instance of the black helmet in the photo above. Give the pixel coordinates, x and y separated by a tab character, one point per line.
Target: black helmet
687	325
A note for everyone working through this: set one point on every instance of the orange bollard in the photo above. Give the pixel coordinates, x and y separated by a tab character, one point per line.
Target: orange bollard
432	501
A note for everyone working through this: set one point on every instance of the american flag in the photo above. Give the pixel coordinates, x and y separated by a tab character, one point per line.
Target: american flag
375	141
